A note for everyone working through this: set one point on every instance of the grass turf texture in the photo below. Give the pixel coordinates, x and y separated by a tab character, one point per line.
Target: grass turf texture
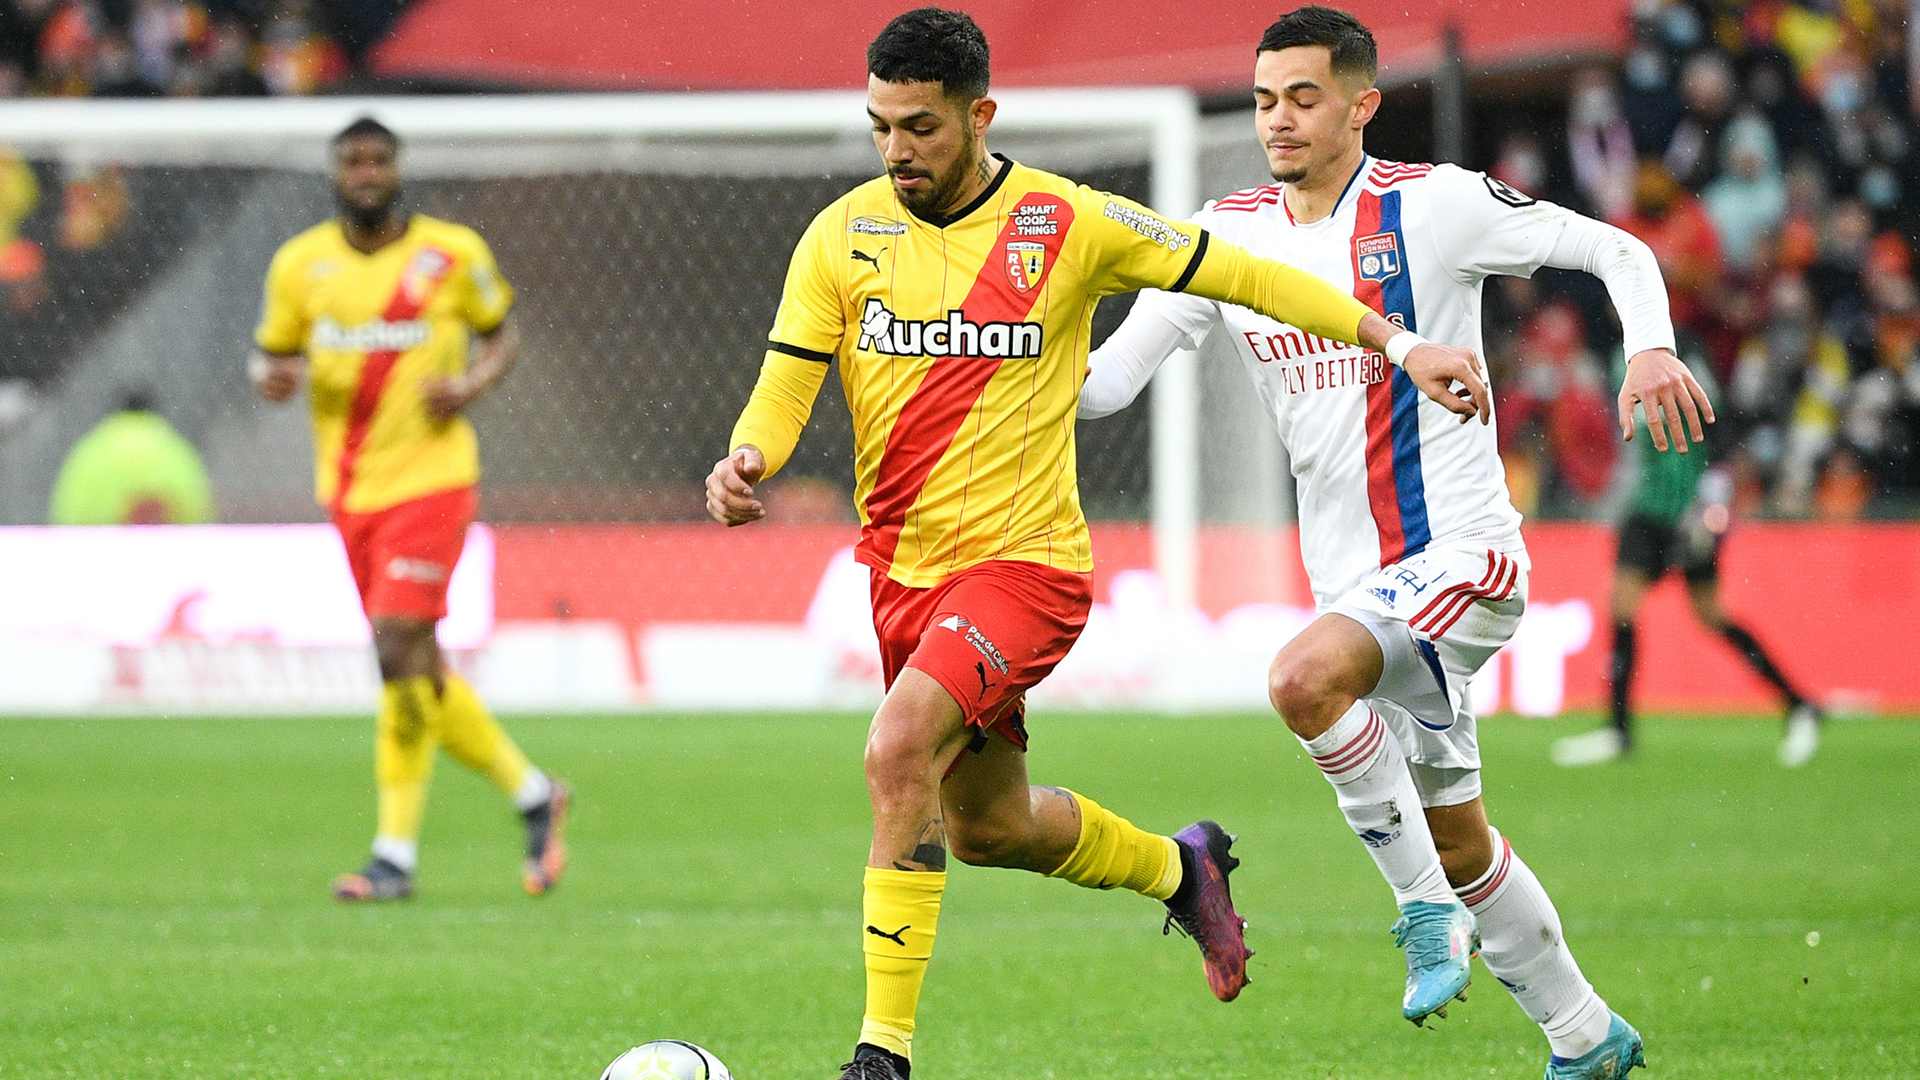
164	911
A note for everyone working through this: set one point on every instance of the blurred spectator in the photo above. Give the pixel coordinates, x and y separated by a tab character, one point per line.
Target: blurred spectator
22	262
93	206
1748	201
1555	425
1708	88
1522	164
296	58
1600	145
1788	389
1837	275
1671	221
133	468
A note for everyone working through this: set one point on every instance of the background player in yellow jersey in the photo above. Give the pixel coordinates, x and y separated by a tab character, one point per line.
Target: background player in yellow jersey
400	321
956	294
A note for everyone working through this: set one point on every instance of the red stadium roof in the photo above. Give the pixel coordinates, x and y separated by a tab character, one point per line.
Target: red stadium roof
782	44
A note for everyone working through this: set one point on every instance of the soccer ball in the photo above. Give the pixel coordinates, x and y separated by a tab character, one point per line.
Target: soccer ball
666	1059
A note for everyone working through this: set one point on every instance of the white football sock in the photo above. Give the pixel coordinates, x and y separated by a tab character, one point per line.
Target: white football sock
401	852
1521	943
1362	760
534	790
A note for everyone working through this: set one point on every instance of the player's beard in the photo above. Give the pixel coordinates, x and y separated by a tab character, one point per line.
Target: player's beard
935	196
367	218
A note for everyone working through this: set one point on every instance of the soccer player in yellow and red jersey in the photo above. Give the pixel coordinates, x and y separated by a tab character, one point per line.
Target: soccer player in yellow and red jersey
956	294
399	322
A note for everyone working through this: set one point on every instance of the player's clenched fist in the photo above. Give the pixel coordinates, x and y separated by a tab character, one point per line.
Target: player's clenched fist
730	487
276	376
1435	368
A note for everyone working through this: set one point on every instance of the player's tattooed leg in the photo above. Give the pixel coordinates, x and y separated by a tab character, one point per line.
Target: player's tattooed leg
929	849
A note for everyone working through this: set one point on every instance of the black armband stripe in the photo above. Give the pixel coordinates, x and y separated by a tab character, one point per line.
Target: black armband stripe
815	355
1193	264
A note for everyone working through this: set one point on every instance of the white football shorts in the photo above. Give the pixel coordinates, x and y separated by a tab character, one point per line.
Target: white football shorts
1439	616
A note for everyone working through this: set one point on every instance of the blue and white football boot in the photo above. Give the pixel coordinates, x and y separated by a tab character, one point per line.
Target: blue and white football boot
1440	941
1618	1053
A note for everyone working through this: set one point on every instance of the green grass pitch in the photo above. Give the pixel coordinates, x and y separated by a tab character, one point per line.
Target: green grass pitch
163	908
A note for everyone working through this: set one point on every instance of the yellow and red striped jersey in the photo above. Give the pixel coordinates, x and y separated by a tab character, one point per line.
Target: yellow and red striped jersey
375	328
962	342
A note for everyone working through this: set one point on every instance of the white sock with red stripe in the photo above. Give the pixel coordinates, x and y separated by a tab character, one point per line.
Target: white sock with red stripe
1521	943
1362	760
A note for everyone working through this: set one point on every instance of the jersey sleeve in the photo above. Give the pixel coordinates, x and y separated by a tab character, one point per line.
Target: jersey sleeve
1482	226
485	296
1132	247
812	320
1193	316
283	317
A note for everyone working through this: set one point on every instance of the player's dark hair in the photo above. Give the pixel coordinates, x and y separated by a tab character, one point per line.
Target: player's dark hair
1350	44
930	44
367	126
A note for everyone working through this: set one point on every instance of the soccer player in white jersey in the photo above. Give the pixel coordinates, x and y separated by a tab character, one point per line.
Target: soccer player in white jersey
1410	543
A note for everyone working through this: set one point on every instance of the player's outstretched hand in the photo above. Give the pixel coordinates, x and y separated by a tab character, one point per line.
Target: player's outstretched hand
730	487
1662	384
445	397
1436	368
276	376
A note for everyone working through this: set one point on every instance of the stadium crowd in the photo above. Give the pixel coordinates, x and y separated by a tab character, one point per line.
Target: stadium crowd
1766	152
184	48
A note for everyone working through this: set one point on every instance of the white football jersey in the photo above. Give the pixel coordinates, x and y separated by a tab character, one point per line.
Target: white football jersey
1381	472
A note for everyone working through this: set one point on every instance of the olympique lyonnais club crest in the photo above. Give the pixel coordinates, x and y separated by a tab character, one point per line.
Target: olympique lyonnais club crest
424	273
1378	256
1026	264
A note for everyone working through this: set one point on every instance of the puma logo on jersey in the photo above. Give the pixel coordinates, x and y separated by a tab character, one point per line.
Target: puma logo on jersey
861	256
884	332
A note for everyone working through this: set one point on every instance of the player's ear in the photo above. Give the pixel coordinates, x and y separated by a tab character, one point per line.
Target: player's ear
1365	104
980	114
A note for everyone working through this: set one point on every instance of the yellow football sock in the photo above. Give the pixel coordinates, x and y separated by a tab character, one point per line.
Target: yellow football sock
901	908
1114	852
403	755
476	739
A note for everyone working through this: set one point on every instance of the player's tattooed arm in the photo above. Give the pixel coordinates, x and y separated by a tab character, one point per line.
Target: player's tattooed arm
929	849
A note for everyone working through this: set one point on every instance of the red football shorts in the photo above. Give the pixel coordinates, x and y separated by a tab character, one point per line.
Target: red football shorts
403	556
987	634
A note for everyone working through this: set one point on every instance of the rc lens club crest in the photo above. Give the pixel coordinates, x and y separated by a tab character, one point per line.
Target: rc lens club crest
1026	264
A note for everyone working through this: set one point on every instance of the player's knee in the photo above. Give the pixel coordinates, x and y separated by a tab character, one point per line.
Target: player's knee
395	656
896	758
405	648
1300	690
